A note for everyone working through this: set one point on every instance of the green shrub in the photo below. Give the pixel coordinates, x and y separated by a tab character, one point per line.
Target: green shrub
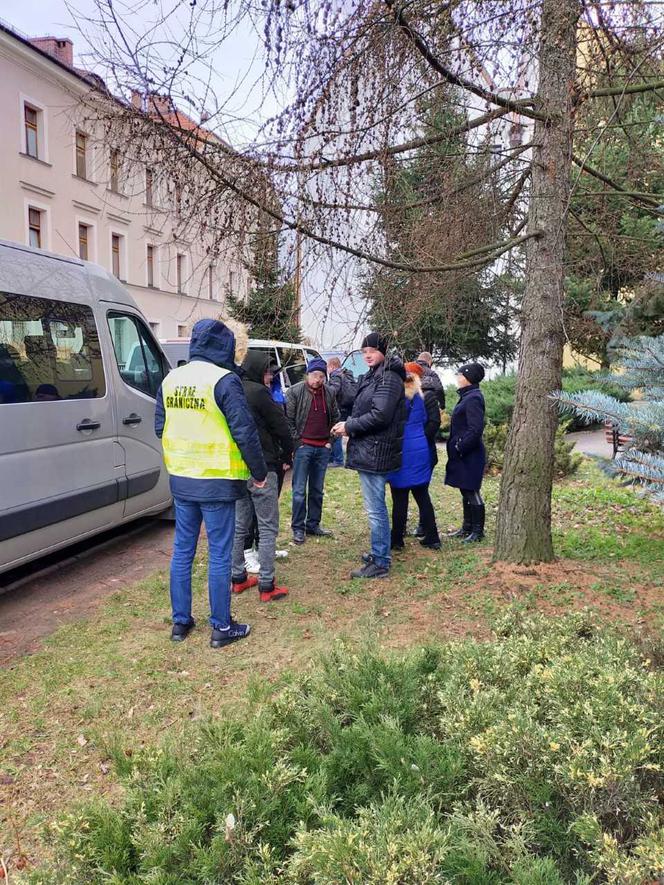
534	758
499	394
566	461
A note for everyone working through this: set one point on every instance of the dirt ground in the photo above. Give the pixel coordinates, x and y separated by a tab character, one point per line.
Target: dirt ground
73	589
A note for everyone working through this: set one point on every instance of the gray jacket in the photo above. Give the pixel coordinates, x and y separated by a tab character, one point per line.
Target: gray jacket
298	403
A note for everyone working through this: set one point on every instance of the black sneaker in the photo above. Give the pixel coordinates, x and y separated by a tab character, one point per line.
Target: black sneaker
367	558
298	537
180	631
220	638
318	532
370	570
430	545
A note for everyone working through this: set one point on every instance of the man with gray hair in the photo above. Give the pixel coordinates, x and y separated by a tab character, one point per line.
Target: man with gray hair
430	379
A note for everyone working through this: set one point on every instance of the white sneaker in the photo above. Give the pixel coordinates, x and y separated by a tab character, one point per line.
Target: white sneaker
281	554
251	562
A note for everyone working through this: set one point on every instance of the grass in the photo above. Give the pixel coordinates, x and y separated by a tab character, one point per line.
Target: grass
115	681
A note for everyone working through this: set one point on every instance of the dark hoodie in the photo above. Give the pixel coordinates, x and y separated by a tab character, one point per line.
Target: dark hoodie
213	342
375	427
269	417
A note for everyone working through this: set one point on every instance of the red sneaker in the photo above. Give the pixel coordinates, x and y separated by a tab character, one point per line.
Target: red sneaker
272	594
241	586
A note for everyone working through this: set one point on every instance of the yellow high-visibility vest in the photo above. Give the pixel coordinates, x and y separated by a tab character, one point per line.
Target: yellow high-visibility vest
197	441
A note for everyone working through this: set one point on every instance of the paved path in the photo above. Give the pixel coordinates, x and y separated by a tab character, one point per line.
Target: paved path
591	442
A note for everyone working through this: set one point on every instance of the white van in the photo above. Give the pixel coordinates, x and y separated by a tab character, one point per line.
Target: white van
78	452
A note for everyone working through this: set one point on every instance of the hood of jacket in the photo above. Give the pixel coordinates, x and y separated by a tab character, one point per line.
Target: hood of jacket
392	364
213	342
255	365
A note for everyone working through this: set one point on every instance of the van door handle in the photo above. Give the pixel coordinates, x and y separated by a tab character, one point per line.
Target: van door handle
132	419
87	424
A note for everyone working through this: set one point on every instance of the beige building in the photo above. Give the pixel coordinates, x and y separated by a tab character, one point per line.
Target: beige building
65	189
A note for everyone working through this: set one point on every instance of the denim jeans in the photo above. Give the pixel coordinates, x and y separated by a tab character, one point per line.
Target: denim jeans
337	454
373	493
219	518
264	503
309	466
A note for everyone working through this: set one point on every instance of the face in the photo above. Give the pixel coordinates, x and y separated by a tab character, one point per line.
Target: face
315	380
372	356
267	378
462	381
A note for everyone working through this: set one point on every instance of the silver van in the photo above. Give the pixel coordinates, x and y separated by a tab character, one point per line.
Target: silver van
78	452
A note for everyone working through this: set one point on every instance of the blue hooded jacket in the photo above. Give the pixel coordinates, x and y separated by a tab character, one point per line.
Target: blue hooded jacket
213	342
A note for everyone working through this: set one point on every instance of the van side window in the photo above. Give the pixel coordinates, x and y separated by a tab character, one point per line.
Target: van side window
292	363
49	351
138	357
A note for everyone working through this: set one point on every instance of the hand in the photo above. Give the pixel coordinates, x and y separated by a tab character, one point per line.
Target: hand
339	429
285	467
260	484
328	445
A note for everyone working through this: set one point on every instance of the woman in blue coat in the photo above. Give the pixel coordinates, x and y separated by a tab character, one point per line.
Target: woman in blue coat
417	465
466	457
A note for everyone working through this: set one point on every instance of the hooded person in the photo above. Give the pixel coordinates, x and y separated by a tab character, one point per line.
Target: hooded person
466	457
430	379
311	410
211	448
263	500
375	439
344	385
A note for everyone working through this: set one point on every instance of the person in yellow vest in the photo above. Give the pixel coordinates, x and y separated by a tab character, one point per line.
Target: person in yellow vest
211	448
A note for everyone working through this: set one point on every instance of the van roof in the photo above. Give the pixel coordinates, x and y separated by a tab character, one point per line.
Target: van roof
254	342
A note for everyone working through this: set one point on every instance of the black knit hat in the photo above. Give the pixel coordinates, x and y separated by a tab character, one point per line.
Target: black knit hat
474	372
375	340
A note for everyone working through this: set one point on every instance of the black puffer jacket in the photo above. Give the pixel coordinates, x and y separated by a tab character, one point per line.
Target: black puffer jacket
375	428
269	417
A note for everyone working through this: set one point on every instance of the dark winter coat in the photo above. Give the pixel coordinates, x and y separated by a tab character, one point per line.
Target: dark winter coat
298	404
212	342
344	385
466	457
416	463
433	424
431	382
269	416
375	427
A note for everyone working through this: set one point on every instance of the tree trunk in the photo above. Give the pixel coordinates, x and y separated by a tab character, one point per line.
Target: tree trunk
523	532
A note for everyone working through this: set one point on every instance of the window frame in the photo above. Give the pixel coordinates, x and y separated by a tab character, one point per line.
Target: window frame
82	226
115	167
150	251
32	227
81	154
180	273
42	128
145	335
31	128
149	187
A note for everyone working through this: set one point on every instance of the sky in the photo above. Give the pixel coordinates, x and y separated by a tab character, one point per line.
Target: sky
328	322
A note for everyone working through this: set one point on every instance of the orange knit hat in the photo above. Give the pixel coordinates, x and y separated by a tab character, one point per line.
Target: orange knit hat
414	369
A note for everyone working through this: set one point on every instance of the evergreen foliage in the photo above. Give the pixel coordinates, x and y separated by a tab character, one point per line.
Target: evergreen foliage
271	310
642	363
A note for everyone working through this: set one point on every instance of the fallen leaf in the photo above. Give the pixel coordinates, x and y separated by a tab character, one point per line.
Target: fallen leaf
81	741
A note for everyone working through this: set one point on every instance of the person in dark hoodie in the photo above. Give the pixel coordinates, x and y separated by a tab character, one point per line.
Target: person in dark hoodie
211	448
311	409
430	379
375	438
466	457
342	382
263	500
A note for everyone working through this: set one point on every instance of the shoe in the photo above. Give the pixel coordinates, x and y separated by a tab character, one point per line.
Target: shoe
180	631
430	545
467	526
367	558
330	465
370	570
281	554
298	537
318	532
396	545
477	533
251	563
244	584
232	633
270	592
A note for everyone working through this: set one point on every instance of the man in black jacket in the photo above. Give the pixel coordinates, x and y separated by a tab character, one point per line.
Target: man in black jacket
430	379
375	438
344	385
277	448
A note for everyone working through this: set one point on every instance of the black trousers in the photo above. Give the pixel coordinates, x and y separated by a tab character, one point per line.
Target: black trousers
400	513
471	496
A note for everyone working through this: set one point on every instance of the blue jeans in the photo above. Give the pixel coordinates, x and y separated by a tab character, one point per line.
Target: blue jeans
373	493
219	517
337	454
309	466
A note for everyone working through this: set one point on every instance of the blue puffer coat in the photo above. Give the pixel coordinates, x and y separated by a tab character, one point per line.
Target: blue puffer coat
466	457
416	466
213	342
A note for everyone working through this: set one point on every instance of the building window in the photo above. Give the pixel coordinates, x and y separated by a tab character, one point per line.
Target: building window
231	281
179	269
116	254
35	228
31	131
182	332
116	162
178	200
211	282
150	265
81	155
149	181
83	242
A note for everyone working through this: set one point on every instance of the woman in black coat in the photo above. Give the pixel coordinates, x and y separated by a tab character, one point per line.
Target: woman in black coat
466	457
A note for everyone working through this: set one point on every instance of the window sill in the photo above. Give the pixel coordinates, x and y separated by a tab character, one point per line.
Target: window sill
86	180
116	193
35	159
